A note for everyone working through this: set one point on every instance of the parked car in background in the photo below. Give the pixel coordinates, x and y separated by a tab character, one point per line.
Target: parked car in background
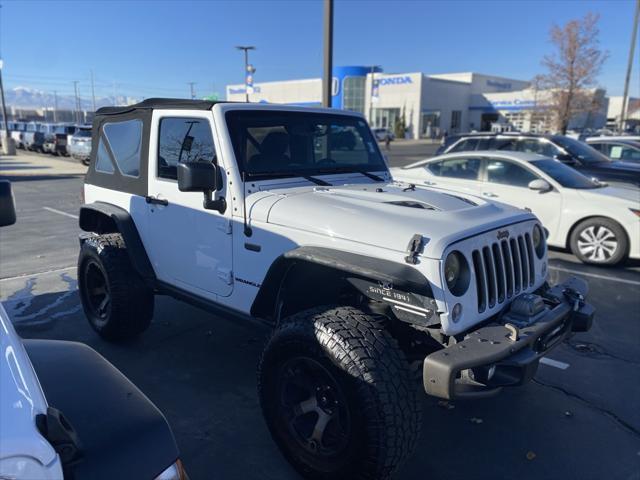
599	223
33	137
619	148
17	133
80	145
68	413
382	134
55	139
572	152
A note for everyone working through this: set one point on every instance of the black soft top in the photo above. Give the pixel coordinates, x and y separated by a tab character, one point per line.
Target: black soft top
158	103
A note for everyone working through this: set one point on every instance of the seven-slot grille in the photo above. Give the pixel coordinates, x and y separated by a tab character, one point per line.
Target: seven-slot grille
503	269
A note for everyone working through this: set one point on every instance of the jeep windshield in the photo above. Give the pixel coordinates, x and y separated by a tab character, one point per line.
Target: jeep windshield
272	144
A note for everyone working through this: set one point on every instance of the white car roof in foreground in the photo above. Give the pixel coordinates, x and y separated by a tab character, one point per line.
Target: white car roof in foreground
518	156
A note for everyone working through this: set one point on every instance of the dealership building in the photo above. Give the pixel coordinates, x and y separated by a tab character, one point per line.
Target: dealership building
429	104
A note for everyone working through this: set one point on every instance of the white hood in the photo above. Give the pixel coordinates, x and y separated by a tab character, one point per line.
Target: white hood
626	195
383	215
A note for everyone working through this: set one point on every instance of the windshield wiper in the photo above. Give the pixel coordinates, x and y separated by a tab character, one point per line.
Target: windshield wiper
372	176
315	180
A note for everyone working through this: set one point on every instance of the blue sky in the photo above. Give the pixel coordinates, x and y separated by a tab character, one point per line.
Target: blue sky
153	48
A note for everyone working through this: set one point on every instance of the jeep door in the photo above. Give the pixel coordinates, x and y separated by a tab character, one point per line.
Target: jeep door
508	182
189	246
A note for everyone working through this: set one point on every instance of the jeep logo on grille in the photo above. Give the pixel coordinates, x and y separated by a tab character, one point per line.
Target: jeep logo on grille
503	234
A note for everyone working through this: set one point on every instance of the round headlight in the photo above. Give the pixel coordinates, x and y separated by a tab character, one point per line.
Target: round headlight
538	240
456	273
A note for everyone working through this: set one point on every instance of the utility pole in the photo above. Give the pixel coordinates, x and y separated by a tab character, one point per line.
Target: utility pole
327	79
625	95
93	92
8	147
75	88
248	69
55	106
374	68
192	90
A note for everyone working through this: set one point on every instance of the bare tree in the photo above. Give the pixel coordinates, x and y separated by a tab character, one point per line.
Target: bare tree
572	70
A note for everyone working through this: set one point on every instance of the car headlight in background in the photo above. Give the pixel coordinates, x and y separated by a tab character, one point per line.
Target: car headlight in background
456	273
539	242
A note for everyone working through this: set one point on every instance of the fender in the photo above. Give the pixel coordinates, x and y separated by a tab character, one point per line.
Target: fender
100	217
377	279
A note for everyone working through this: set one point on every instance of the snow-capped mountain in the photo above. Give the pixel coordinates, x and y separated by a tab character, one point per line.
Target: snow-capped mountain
25	97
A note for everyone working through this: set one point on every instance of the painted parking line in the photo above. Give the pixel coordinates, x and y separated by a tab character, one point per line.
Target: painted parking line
595	275
36	274
554	363
60	212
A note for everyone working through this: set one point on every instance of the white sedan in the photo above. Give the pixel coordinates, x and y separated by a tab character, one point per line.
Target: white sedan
599	223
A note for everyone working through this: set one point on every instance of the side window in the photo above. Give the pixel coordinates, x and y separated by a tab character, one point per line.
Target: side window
103	161
125	140
464	168
601	147
508	173
183	139
465	145
629	153
505	144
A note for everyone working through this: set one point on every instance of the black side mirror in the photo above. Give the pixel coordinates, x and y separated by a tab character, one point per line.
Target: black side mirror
7	204
202	177
197	177
566	158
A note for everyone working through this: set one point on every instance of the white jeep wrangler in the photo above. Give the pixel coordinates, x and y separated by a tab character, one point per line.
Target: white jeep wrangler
289	215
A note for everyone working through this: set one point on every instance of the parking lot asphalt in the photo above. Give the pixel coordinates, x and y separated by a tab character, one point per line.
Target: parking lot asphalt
579	418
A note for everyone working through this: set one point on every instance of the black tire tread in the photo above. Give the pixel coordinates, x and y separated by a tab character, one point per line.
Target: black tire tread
132	302
360	344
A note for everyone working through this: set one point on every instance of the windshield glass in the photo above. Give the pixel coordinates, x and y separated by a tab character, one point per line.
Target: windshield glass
584	152
273	143
564	175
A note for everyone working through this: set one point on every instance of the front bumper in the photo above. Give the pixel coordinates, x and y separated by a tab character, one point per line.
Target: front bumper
507	352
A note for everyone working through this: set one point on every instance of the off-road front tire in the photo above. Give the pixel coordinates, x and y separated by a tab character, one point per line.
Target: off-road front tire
338	395
115	300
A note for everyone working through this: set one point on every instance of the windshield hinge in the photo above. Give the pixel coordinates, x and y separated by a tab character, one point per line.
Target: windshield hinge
415	247
226	275
225	226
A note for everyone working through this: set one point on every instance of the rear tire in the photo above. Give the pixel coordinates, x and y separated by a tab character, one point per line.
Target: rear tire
599	241
115	299
338	395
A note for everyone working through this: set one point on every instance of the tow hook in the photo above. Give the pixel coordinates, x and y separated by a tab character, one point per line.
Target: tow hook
575	297
514	332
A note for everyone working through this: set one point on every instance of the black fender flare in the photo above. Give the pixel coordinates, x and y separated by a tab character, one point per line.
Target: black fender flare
100	218
373	277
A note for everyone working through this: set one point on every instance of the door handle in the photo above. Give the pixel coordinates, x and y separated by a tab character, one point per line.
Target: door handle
156	201
489	194
430	183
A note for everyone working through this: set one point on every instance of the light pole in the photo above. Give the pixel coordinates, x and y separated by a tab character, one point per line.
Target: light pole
192	90
248	69
625	96
327	79
374	68
8	147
